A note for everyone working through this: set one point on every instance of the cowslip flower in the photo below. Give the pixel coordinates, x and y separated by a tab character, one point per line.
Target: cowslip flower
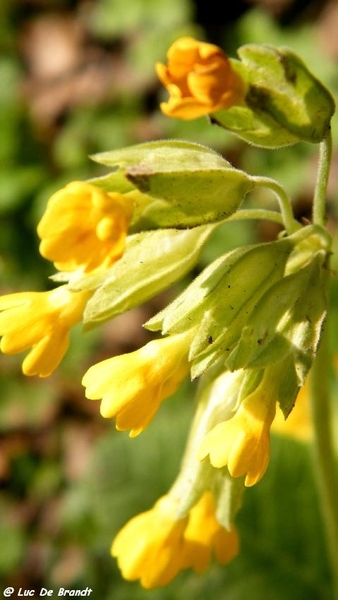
84	227
154	546
204	536
132	386
42	321
199	79
242	443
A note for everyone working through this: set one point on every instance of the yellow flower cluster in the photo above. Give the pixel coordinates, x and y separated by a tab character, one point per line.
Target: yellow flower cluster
85	228
87	231
154	546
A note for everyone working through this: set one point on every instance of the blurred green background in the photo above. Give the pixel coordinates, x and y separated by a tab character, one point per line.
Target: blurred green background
77	77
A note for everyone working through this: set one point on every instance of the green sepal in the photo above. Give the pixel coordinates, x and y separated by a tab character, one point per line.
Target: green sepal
190	198
219	301
228	493
113	182
177	184
284	102
289	385
152	261
287	321
164	155
195	476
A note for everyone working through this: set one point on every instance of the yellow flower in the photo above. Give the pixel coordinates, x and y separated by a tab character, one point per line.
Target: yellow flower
154	546
84	227
148	547
40	320
133	385
199	79
204	535
243	442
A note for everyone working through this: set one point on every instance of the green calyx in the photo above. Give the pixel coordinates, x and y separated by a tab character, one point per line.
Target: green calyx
247	311
284	102
175	184
152	261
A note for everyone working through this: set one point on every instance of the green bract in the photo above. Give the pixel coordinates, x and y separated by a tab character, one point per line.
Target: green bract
284	102
175	184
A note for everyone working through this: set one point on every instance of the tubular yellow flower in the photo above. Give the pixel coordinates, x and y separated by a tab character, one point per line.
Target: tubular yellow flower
40	320
199	79
154	546
148	547
133	385
243	442
204	535
84	227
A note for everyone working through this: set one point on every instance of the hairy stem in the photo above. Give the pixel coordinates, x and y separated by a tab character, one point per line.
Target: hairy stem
324	456
289	221
257	213
319	200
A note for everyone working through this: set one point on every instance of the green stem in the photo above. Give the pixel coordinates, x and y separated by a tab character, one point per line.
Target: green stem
289	221
257	213
324	456
319	200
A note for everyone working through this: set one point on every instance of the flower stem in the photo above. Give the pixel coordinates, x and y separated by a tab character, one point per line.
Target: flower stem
257	213
324	457
289	221
319	200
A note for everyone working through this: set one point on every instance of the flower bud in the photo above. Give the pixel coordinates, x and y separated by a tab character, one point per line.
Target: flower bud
199	79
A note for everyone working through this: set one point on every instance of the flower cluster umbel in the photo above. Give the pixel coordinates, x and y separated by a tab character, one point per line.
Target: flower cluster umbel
247	328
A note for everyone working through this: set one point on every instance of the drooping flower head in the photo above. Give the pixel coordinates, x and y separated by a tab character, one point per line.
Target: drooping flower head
154	546
199	79
84	227
133	385
42	321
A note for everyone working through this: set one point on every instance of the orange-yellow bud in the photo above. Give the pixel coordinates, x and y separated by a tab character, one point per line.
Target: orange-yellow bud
199	79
